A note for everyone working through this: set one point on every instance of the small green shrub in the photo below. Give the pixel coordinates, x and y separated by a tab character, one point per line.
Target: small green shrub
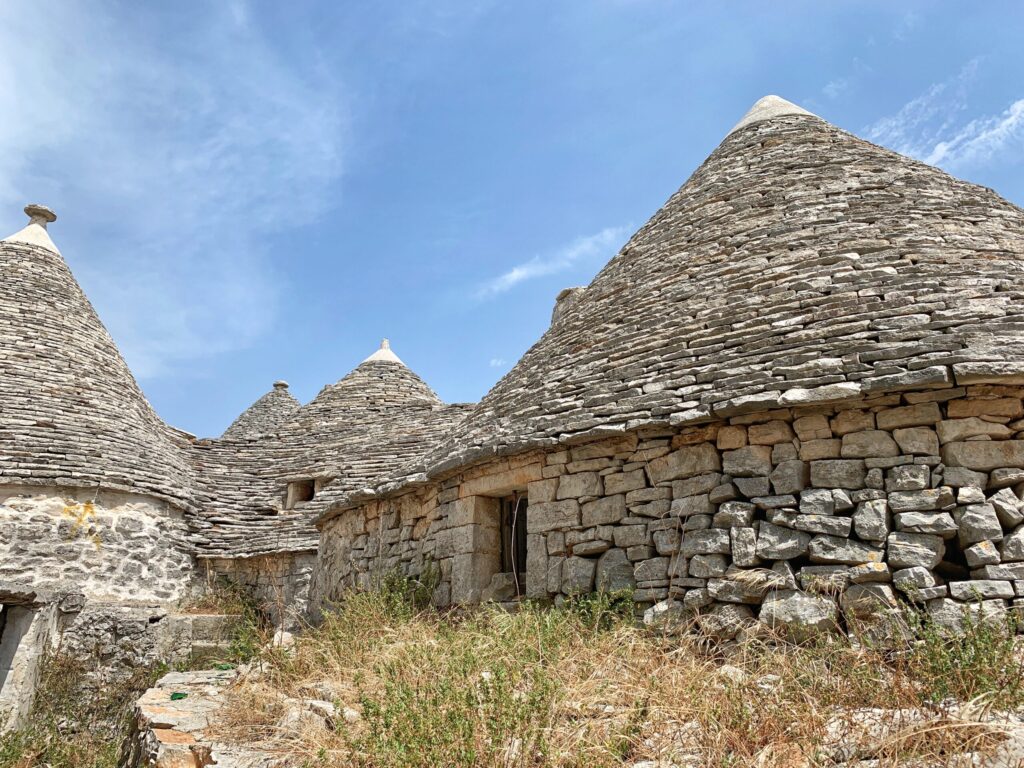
978	660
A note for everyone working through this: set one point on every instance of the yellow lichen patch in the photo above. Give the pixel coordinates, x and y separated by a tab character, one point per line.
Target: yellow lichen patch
81	517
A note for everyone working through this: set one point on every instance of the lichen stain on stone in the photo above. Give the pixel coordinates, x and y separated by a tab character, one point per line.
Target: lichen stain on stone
81	516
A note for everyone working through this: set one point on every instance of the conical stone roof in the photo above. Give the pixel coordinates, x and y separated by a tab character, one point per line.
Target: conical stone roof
264	415
71	412
378	418
798	264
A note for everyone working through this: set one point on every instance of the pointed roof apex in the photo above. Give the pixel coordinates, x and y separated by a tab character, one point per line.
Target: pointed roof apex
768	107
280	384
35	232
384	354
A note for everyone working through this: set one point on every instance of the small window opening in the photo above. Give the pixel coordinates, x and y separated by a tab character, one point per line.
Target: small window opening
298	492
513	539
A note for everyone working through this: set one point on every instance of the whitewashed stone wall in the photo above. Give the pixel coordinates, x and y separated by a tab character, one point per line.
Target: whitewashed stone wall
794	515
108	546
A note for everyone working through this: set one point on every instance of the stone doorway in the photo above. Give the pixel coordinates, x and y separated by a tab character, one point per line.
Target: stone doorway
513	539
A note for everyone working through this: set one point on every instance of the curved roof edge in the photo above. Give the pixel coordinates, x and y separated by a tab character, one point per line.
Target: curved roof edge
937	377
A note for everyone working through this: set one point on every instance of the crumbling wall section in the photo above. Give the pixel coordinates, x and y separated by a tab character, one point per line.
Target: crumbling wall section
279	583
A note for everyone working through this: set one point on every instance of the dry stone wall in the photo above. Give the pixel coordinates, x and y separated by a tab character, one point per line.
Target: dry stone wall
799	517
279	583
106	545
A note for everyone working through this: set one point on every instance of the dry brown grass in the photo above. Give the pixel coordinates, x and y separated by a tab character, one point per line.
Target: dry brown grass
582	687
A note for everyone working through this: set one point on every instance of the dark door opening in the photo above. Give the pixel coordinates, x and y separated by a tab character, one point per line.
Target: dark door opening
513	539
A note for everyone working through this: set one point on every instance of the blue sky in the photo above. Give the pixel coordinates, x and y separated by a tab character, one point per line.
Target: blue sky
253	190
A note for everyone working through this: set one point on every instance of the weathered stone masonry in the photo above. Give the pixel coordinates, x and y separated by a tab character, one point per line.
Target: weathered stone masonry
793	514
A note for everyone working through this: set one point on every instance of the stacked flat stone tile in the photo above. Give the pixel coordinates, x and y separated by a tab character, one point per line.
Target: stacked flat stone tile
71	413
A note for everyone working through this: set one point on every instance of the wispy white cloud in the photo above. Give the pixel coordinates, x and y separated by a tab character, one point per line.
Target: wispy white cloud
981	138
934	127
173	145
498	362
836	88
601	245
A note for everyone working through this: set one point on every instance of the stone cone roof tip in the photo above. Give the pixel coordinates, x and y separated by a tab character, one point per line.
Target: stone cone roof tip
263	416
768	107
384	354
34	233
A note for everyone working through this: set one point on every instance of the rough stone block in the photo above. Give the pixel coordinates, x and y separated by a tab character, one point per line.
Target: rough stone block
977	522
921	501
982	553
909	477
614	572
980	589
770	433
811	450
919	415
954	430
817	502
630	535
707	566
838	473
845	422
578	575
654	569
1009	407
984	455
731	438
1009	508
688	461
603	511
812	428
938	523
1011	550
732	514
709	542
868	444
744	547
790	476
961	477
622	482
833	526
752	461
906	550
553	515
798	615
580	484
753	487
917	441
911	580
837	549
776	543
692	505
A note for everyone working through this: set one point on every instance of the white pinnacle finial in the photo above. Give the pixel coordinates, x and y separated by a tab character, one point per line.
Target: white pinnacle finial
768	107
35	232
384	354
